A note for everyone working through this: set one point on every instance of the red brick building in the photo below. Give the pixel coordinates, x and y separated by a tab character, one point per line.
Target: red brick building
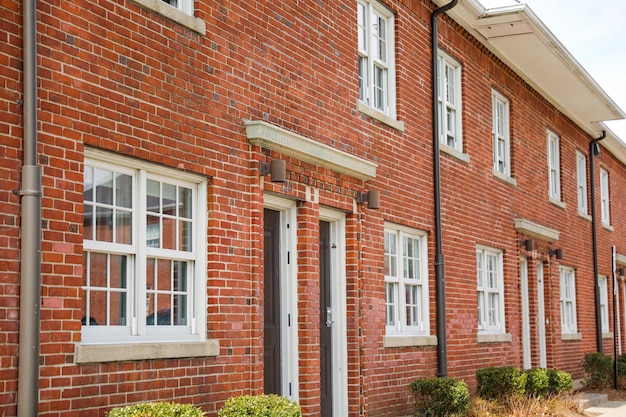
247	196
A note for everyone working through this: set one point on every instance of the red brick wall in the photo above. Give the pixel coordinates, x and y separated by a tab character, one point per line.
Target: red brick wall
117	77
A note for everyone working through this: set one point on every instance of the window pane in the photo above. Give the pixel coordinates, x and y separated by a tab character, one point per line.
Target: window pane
88	184
481	310
450	87
186	230
169	233
123	190
479	270
362	28
169	199
163	280
379	88
97	308
105	290
153	232
382	40
153	197
123	230
180	276
390	293
98	266
117	309
88	227
412	305
185	203
104	186
104	224
362	79
390	255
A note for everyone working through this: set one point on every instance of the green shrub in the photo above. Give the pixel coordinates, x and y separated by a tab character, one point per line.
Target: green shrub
561	382
599	368
500	382
440	397
158	409
621	364
265	405
537	382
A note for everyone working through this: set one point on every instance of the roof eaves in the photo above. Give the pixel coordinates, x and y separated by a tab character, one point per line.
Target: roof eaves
513	32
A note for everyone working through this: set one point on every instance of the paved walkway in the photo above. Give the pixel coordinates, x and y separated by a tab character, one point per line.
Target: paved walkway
597	405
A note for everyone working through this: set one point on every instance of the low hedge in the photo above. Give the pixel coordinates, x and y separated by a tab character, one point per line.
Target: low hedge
157	409
537	382
500	382
264	405
561	382
440	397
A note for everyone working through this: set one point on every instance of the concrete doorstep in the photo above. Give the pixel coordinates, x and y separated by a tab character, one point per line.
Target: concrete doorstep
598	405
592	400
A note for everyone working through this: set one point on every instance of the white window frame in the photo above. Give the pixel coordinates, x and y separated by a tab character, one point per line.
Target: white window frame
603	288
581	183
397	281
554	166
605	202
136	329
490	291
377	72
500	132
567	300
449	77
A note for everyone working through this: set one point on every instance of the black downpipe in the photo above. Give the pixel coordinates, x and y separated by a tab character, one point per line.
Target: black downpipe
594	148
440	283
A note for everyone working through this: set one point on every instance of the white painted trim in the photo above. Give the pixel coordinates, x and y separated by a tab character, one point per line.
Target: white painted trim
534	229
526	348
541	316
337	220
288	293
292	144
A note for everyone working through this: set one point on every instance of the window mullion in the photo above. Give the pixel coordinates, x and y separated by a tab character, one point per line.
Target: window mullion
138	294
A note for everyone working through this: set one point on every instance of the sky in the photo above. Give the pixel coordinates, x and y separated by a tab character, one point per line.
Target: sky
593	31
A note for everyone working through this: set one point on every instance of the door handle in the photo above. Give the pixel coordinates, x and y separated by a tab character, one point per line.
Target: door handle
329	317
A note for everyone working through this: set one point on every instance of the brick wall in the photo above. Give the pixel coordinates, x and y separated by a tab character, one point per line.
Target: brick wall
120	78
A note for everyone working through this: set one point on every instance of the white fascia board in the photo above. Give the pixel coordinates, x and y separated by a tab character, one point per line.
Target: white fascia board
514	33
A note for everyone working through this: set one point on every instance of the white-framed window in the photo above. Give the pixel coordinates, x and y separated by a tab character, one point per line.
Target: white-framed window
604	302
554	167
144	253
449	96
406	281
500	134
185	6
604	197
376	56
490	290
581	182
567	280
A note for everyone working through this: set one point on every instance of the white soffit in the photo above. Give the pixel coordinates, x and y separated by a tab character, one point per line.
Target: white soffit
515	34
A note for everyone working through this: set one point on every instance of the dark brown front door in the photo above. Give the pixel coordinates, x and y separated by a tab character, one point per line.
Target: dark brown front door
271	294
326	315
